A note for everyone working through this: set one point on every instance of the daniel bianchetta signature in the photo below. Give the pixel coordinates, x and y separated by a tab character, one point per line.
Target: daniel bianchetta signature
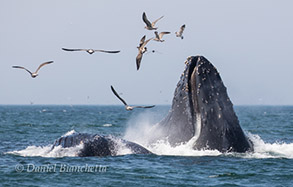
61	168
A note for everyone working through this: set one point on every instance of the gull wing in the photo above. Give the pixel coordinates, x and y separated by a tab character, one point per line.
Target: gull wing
144	106
144	44
163	33
182	29
138	60
65	49
115	93
153	24
20	67
106	51
145	19
142	41
45	63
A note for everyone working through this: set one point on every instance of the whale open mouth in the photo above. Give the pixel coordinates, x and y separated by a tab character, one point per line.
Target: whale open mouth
202	111
193	89
198	85
193	85
184	119
204	83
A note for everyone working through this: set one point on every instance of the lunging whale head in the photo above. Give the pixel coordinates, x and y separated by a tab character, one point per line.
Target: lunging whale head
202	110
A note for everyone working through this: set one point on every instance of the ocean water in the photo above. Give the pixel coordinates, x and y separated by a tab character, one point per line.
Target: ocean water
28	132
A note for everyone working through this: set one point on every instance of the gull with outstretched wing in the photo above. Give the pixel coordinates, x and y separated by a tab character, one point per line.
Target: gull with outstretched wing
141	50
127	107
149	25
33	74
159	37
90	51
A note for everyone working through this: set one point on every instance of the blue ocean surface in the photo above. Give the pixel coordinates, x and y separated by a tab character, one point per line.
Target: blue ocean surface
28	132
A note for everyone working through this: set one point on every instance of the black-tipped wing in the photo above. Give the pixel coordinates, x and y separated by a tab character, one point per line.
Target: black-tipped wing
138	60
145	19
142	41
106	51
20	67
43	64
65	49
144	106
182	29
140	53
115	93
162	34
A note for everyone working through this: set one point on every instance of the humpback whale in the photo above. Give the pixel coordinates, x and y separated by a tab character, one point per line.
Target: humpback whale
96	145
201	109
201	112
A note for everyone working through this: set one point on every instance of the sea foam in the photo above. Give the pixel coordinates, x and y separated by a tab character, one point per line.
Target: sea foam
47	151
140	131
262	149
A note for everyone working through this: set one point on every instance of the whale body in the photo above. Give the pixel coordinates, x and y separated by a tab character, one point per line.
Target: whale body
96	145
201	109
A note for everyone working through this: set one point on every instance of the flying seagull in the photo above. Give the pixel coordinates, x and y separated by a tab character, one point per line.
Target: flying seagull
160	36
180	32
141	50
127	107
90	51
36	72
149	25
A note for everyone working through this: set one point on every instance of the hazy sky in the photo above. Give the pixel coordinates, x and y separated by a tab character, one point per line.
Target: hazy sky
250	42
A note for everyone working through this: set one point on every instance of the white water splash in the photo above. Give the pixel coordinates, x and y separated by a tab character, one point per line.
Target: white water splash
197	129
140	131
59	151
269	150
121	148
262	150
69	133
45	151
163	147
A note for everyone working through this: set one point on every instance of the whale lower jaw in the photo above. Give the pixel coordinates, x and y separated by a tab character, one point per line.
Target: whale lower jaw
202	111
